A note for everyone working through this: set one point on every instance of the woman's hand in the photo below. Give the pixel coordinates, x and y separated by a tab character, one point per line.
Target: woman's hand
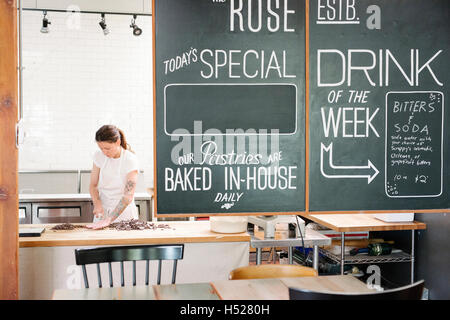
100	224
98	211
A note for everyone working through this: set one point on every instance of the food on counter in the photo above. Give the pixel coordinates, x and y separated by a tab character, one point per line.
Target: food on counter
135	224
67	226
132	224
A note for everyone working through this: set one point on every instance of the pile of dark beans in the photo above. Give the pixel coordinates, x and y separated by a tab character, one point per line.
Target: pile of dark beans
133	224
67	226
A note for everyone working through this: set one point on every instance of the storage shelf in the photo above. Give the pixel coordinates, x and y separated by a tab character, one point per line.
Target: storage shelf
362	259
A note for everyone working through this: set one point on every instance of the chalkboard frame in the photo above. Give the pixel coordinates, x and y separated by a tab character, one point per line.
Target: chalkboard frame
155	198
307	210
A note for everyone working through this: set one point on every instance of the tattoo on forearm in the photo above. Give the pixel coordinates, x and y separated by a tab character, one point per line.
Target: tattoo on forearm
125	201
129	187
118	209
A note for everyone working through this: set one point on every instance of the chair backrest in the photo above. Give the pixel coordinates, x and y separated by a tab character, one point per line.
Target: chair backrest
129	253
271	271
409	292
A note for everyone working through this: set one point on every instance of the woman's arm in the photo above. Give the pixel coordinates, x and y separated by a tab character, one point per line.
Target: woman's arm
98	207
128	195
127	198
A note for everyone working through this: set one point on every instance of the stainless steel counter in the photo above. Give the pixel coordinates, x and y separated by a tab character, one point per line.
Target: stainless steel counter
69	207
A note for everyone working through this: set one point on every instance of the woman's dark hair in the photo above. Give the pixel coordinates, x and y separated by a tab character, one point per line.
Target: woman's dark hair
110	133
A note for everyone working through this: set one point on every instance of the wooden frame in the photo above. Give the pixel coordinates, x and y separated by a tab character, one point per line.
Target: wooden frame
155	184
306	106
9	201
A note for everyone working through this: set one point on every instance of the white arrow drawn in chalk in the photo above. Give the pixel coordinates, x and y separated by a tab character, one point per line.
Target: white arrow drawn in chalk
345	169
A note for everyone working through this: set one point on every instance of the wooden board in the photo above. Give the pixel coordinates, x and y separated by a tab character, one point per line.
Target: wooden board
188	291
362	222
254	289
87	294
9	202
181	232
106	293
347	284
136	293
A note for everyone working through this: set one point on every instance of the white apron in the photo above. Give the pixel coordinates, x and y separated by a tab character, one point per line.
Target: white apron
111	188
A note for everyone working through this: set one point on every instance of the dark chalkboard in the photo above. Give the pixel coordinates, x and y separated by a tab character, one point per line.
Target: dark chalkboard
378	110
230	106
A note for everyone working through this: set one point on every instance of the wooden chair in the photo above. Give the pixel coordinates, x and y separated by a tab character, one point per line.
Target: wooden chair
271	271
128	253
409	292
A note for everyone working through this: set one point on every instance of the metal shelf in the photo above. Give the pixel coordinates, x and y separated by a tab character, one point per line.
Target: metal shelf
362	259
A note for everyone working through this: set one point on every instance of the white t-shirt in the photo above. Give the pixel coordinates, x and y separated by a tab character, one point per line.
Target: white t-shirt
110	167
130	161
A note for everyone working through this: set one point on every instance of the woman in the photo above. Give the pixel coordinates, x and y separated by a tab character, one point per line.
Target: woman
113	178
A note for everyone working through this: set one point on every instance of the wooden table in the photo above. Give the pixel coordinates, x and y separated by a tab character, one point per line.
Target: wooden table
364	222
255	289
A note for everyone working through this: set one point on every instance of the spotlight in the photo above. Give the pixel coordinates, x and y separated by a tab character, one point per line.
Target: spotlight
136	30
102	24
45	24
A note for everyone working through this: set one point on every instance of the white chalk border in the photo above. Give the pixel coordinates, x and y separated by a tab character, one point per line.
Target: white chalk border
231	134
386	146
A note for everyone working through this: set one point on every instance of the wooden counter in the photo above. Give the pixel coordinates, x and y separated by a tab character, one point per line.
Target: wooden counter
180	232
361	222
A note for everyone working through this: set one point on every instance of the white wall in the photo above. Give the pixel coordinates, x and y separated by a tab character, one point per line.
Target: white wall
131	6
75	80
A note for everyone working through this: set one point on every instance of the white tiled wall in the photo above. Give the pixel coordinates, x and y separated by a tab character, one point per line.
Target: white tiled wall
75	80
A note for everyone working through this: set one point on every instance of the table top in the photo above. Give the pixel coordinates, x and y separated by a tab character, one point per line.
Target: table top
278	289
362	222
311	238
179	232
254	289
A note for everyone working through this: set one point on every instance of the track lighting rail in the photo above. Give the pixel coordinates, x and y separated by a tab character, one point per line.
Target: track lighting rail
88	12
